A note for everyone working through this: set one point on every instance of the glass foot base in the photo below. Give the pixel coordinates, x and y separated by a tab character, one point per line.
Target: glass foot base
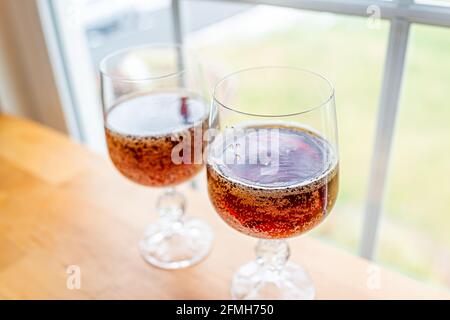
252	281
174	245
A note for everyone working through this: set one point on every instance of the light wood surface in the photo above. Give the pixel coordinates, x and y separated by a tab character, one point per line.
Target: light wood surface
61	205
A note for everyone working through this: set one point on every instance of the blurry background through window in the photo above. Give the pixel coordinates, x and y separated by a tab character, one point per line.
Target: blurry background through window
414	236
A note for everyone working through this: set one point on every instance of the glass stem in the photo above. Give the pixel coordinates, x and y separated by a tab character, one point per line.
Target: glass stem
272	255
170	205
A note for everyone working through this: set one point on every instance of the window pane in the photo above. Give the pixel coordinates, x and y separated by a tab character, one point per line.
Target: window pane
115	24
344	49
415	235
91	29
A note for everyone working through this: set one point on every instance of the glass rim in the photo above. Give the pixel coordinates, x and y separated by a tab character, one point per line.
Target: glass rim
307	109
103	62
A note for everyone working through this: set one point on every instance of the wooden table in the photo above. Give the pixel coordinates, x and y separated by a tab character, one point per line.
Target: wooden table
61	205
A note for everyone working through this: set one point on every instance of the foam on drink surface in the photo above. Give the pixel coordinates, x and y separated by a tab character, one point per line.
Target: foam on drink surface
298	157
155	114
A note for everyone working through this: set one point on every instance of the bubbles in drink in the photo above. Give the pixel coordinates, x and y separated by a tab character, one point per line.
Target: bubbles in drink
284	185
142	131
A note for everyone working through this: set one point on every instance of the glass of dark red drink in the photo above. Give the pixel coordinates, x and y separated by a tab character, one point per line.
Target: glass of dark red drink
272	169
156	110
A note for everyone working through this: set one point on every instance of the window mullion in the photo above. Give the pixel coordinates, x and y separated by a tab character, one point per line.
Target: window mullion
387	114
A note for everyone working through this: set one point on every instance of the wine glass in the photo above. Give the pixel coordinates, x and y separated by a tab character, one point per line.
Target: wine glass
272	169
155	111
